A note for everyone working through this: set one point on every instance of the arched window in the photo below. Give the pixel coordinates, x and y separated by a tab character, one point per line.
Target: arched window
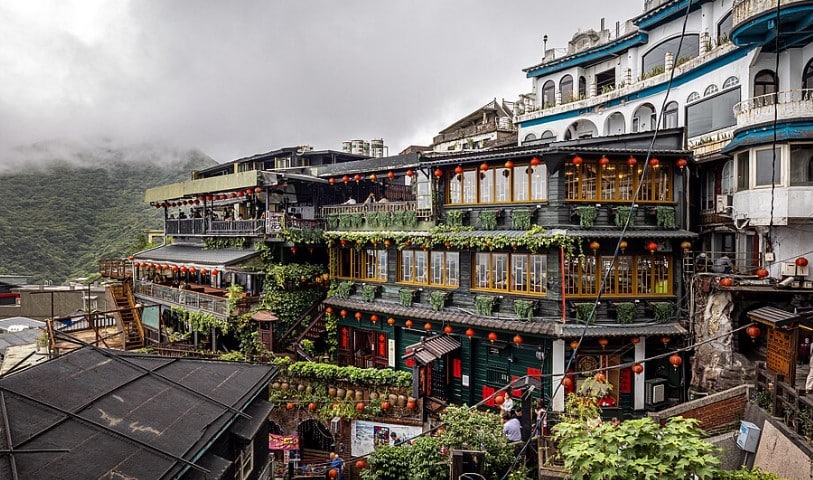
670	115
711	89
731	82
807	75
656	56
548	94
727	178
548	135
693	97
765	82
530	137
582	87
566	88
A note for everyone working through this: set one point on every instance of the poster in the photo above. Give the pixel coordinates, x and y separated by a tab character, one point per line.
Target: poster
365	435
283	442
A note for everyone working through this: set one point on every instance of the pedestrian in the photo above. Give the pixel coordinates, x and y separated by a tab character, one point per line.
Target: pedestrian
338	463
511	427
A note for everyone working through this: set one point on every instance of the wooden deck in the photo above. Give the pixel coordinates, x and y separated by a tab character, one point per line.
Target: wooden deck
64	338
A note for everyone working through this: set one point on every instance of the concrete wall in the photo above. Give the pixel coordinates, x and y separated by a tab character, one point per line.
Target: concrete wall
777	452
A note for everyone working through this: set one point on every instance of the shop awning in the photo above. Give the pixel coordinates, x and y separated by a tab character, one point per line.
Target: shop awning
197	255
432	348
776	317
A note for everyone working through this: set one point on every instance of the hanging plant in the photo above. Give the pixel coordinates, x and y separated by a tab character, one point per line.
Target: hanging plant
583	311
521	219
665	216
484	305
344	289
410	218
488	219
398	219
331	334
454	218
621	215
306	236
662	311
524	309
625	312
406	296
372	219
368	292
587	215
332	221
437	300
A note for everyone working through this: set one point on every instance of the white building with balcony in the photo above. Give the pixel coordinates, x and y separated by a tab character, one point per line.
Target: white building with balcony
738	80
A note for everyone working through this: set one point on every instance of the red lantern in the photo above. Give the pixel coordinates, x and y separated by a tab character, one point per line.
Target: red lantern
333	473
654	162
448	329
652	247
753	331
346	179
357	177
386	406
484	167
438	173
574	344
374	318
603	342
232	195
535	161
408	323
329	310
373	177
681	162
567	382
410	404
391	175
290	405
632	161
293	249
215	272
241	194
312	406
343	242
492	337
196	202
249	191
258	190
331	181
203	271
604	161
665	340
594	246
390	321
726	282
577	160
762	273
361	464
427	326
360	406
175	268
184	269
801	262
193	269
637	368
358	315
499	400
517	339
623	245
635	340
410	173
458	170
343	313
469	332
675	360
509	164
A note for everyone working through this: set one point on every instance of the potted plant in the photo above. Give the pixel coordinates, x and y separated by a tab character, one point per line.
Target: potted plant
587	215
437	300
406	296
484	304
625	312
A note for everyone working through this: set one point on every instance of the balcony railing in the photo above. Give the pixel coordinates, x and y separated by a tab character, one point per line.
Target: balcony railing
491	126
273	223
745	9
216	304
365	208
789	104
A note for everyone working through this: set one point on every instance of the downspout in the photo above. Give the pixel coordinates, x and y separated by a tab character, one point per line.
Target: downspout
562	283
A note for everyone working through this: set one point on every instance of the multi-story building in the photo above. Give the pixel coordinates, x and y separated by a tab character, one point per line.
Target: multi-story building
490	126
736	77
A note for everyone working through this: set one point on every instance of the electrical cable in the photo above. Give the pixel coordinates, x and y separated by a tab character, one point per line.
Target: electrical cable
775	121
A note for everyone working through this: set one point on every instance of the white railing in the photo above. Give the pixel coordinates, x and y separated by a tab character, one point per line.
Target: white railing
788	104
745	9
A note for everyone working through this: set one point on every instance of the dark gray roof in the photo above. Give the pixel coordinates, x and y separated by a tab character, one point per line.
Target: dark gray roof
430	349
572	330
778	317
105	414
194	254
368	165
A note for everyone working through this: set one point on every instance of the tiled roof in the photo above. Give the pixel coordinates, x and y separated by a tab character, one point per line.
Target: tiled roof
197	255
432	348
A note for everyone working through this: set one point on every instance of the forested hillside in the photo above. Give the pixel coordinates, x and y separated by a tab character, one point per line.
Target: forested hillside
62	212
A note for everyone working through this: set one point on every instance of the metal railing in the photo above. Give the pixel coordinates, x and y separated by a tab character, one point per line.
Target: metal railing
707	261
801	97
184	298
745	9
273	223
363	208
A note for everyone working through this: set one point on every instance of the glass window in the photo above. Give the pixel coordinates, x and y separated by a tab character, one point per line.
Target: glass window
452	273
693	97
503	185
436	272
582	88
530	137
548	94
375	264
367	264
765	83
807	76
539	182
765	165
482	270
724	28
499	185
538	273
421	266
670	115
616	181
500	271
456	189
407	265
487	186
516	272
743	166
519	272
566	88
731	82
548	135
712	113
707	197
801	165
424	192
710	90
521	184
656	57
727	178
470	186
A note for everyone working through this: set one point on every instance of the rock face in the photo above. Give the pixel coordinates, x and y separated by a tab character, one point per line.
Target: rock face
715	365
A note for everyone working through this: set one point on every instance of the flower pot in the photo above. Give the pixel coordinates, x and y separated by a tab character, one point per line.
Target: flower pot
393	398
309	390
337	392
275	385
359	395
374	395
300	387
350	395
284	386
402	400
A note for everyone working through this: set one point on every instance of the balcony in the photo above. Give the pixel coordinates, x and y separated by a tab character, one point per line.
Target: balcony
492	125
374	216
789	104
198	297
755	23
273	224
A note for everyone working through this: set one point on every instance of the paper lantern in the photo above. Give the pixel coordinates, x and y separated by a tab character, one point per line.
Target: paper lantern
535	161
654	162
632	161
574	344
258	190
438	173
469	332
215	272
331	181
360	406
675	360
410	173
357	177
567	382
361	464
241	194
509	164
358	315
484	167
637	368
600	377
603	342
753	331
312	406
604	161
577	160
594	246
374	318
665	340
623	245
517	339
408	323
801	262
333	473
329	310
448	329
290	405
249	191
390	321
681	162
293	249
373	177
762	273
343	313
652	247
635	340
391	175
427	326
184	269
492	337
499	400
458	170
726	282
686	245
346	179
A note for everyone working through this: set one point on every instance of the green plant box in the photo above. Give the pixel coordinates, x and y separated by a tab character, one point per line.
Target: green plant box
665	216
406	296
521	219
437	300
587	216
454	218
524	309
368	292
621	215
484	305
487	220
583	312
662	311
625	312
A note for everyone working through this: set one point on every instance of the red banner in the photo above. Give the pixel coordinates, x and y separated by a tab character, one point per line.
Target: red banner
283	442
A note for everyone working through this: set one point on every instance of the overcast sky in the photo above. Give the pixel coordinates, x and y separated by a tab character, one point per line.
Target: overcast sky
238	78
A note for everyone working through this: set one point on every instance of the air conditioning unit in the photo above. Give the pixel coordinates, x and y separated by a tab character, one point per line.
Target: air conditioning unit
724	203
748	436
655	392
336	425
790	269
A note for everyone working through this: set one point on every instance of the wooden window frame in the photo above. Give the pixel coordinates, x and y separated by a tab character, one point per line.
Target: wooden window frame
583	276
612	183
459	186
532	285
429	278
360	261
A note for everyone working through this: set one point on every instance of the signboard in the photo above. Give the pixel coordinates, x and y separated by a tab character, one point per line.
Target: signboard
365	435
283	442
780	352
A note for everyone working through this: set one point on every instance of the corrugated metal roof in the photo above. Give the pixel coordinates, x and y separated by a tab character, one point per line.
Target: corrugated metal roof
775	316
193	254
432	348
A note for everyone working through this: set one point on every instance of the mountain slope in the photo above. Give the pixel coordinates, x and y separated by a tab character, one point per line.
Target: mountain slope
60	215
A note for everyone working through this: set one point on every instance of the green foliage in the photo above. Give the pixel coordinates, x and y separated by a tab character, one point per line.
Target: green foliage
57	221
454	218
469	429
341	289
487	219
288	305
217	243
654	71
292	275
663	311
583	311
437	300
521	219
234	293
638	448
665	216
350	220
233	357
327	372
744	473
368	292
524	309
484	305
331	332
201	322
306	236
587	215
625	312
388	463
332	221
406	296
621	216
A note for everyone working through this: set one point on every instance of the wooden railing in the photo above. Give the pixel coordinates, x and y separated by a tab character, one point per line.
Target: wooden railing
364	208
272	224
116	268
783	400
192	300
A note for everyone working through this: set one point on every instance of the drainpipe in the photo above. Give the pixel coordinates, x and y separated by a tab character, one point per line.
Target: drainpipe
562	282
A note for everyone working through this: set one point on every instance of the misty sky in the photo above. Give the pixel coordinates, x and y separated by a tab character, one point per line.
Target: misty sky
238	78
